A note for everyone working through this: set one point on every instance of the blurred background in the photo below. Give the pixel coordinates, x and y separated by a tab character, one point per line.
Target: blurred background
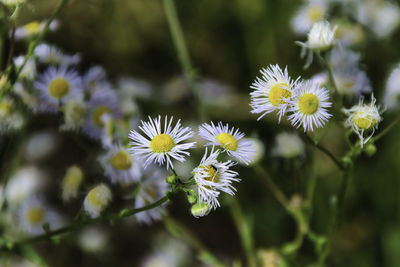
228	42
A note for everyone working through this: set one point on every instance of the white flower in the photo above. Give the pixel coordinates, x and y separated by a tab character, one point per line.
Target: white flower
56	86
230	140
258	146
309	105
95	79
151	189
288	145
49	54
10	117
134	87
102	103
363	119
34	214
29	99
74	115
71	182
160	145
272	91
40	145
392	93
33	28
120	166
29	69
25	182
93	239
213	177
97	200
312	12
320	38
348	33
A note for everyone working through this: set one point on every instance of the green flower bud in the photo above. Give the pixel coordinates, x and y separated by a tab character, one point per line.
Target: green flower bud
200	210
370	150
171	179
191	196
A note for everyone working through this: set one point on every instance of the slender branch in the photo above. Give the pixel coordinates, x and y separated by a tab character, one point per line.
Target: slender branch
326	151
387	129
330	72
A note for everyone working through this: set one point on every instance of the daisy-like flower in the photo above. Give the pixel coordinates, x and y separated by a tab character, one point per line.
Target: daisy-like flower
151	188
309	105
102	103
120	166
57	85
160	145
321	38
363	119
95	79
33	28
71	183
52	55
312	12
230	140
213	177
97	200
10	118
288	145
272	91
29	70
34	214
392	92
74	115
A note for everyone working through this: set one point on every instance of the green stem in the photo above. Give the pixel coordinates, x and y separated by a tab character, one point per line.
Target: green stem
387	129
182	51
180	231
326	151
330	72
78	225
245	232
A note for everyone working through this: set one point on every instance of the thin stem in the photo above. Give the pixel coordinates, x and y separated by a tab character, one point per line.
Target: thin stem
387	129
330	72
181	231
278	194
77	225
244	229
326	151
182	51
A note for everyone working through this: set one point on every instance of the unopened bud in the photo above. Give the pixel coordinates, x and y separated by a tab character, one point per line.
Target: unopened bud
370	149
200	210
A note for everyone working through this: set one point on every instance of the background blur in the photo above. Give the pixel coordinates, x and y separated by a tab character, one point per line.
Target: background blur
228	41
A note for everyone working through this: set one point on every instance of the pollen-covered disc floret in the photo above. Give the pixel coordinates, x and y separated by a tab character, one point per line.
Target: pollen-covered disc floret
272	91
230	140
212	177
56	85
363	119
160	144
97	200
120	166
309	106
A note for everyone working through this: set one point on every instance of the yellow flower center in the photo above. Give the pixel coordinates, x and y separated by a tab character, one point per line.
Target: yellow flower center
308	104
73	177
94	197
35	215
97	113
227	141
278	92
121	161
212	173
6	108
363	121
162	143
58	88
315	14
32	27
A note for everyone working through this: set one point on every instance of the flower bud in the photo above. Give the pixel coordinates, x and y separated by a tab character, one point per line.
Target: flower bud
200	210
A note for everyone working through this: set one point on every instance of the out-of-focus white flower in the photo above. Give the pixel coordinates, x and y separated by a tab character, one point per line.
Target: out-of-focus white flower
33	28
71	183
312	12
272	91
29	70
95	80
321	38
309	106
40	145
160	144
382	17
74	115
56	86
27	98
135	87
97	200
212	177
392	93
258	145
363	119
52	55
25	182
10	118
230	140
151	189
349	34
93	239
288	145
34	214
215	93
120	166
